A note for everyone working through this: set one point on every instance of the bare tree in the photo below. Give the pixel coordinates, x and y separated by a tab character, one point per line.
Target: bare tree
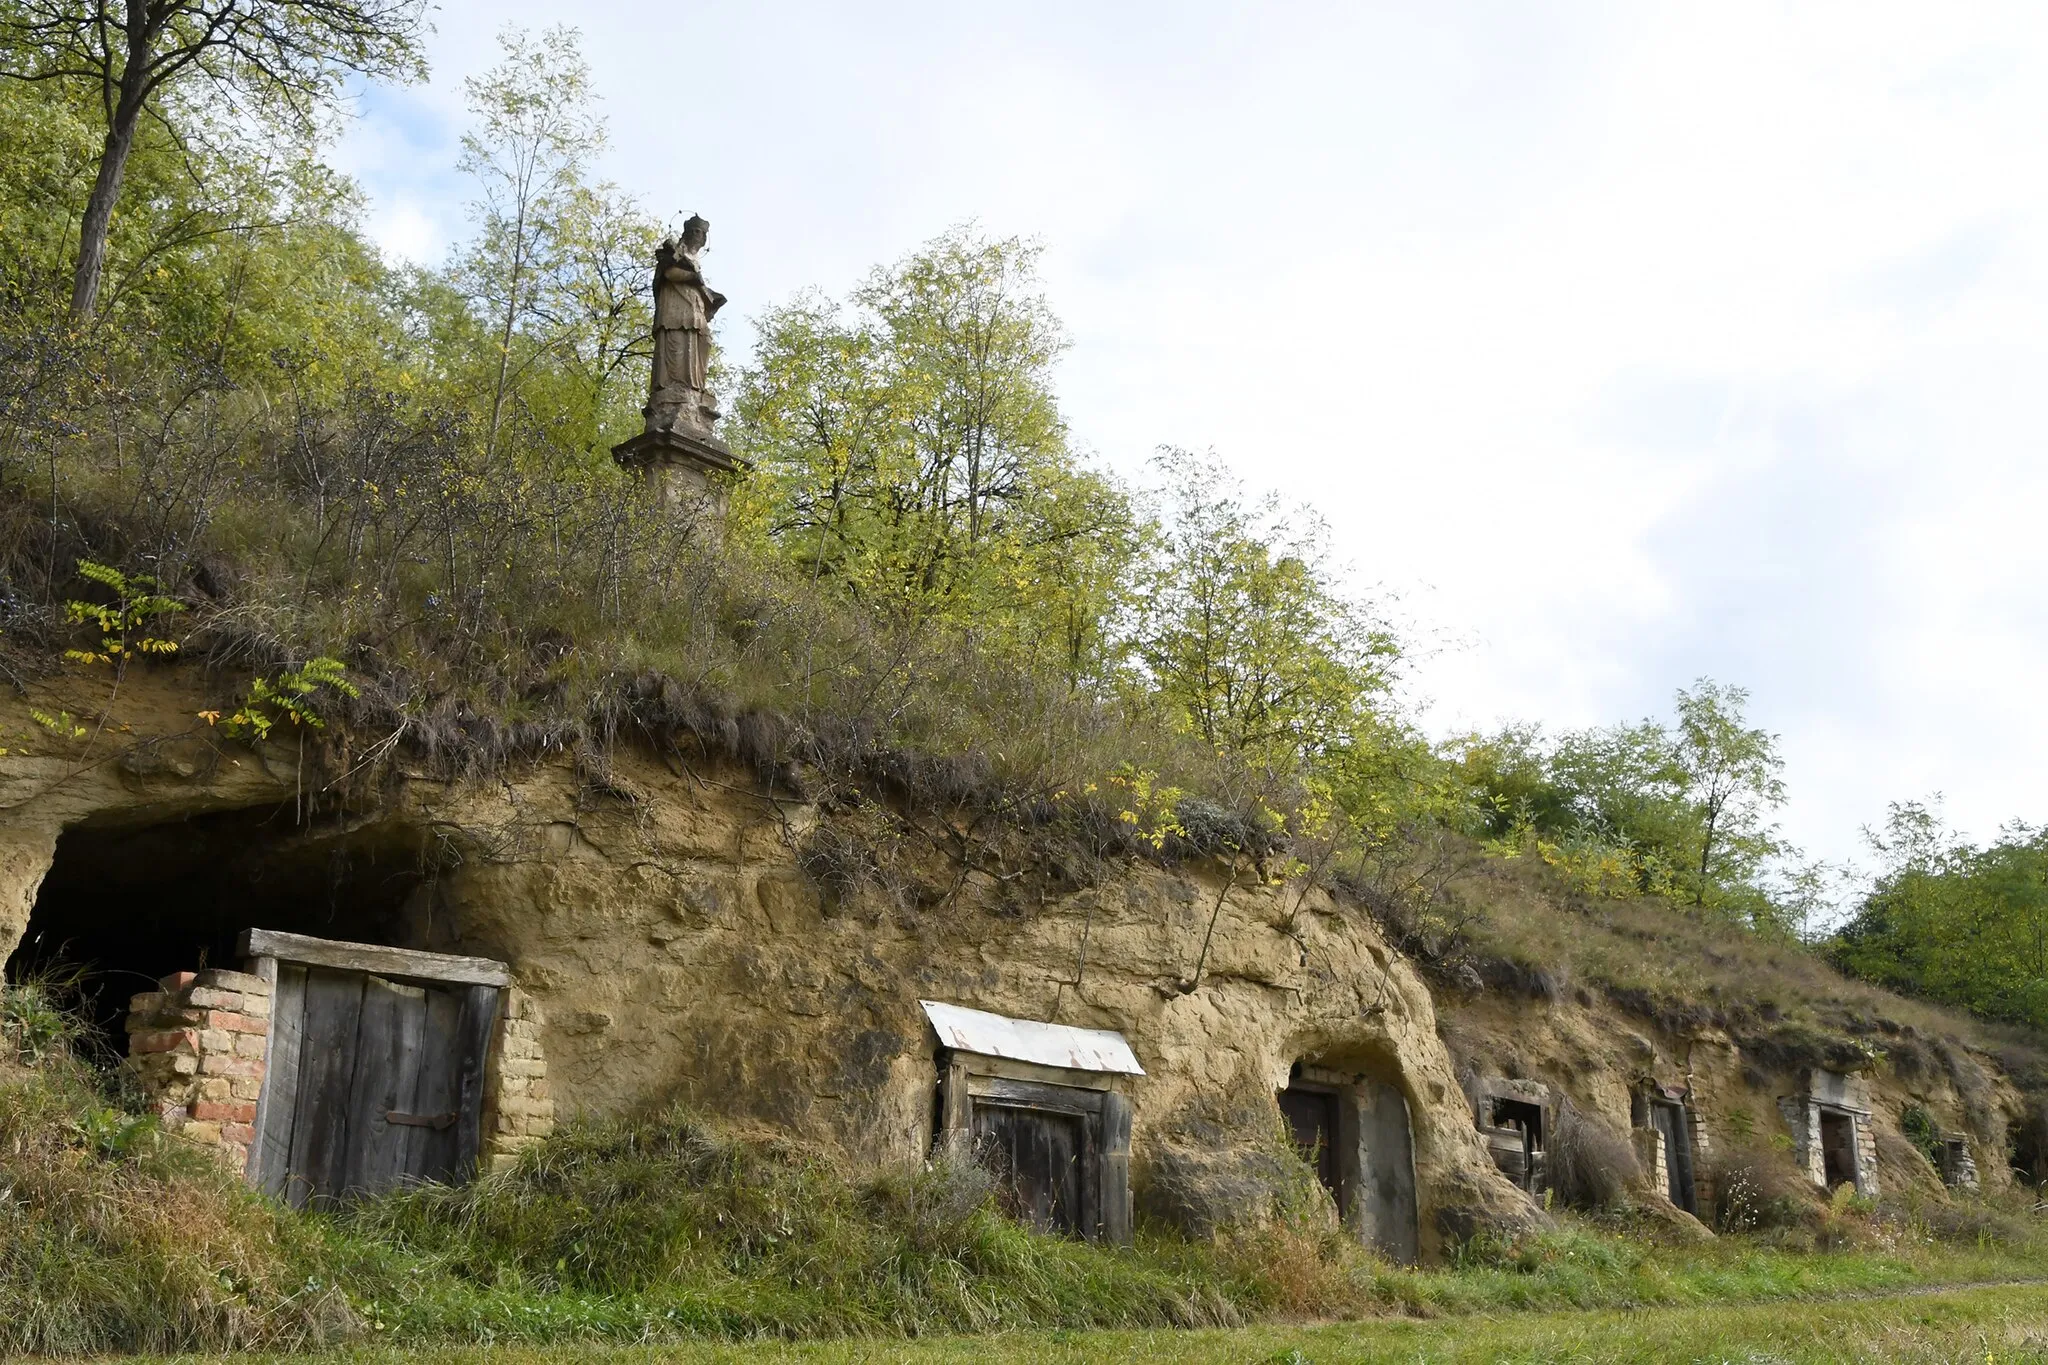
277	60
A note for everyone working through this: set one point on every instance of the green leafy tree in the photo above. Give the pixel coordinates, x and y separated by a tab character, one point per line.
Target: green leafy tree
561	267
1240	632
1954	922
912	454
1680	810
535	132
1731	775
278	62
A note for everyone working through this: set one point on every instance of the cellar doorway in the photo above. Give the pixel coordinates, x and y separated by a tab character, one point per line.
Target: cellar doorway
1669	1118
1348	1119
125	905
1838	1149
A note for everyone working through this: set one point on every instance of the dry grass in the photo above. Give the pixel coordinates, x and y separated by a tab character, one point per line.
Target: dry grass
1592	1164
113	1236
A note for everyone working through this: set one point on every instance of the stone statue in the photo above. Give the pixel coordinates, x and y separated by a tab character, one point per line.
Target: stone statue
682	463
683	308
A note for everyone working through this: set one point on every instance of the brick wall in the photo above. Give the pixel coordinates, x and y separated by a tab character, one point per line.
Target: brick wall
519	1106
196	1046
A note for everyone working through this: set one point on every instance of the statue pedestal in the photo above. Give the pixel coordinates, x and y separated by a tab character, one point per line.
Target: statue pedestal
684	469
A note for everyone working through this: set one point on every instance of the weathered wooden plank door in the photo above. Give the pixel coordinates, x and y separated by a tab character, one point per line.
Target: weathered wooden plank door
1312	1127
1037	1156
1669	1119
372	1081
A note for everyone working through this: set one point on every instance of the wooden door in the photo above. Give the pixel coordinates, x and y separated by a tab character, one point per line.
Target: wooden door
372	1082
1669	1119
1312	1126
1837	1148
1037	1156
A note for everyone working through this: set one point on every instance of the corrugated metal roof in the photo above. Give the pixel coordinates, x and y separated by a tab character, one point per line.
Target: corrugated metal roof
1025	1040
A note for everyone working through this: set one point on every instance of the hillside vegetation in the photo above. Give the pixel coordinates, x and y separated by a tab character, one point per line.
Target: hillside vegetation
379	494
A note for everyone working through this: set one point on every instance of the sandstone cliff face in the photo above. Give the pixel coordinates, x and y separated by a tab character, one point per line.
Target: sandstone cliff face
675	946
1600	1056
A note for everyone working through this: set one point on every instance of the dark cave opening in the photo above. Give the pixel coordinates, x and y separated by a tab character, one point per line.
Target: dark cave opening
124	905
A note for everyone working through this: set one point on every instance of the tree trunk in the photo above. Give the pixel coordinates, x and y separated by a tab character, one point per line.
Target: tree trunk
99	210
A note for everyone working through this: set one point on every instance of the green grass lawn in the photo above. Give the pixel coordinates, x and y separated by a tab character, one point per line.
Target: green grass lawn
1992	1325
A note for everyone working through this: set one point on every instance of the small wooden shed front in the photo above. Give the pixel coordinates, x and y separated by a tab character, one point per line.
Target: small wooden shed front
1043	1106
376	1065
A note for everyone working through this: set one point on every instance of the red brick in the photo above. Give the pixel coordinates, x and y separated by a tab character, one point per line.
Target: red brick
165	1041
170	1016
235	1022
177	981
224	1111
220	978
242	1134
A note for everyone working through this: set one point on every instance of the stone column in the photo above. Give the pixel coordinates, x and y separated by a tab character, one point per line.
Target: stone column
519	1104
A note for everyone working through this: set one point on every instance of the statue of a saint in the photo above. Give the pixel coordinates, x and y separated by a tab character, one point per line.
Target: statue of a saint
683	308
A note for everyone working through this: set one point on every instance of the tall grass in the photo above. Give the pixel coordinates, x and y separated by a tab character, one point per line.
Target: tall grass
660	1225
113	1236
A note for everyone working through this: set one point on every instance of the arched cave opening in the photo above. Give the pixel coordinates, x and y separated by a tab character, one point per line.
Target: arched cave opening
124	905
1348	1118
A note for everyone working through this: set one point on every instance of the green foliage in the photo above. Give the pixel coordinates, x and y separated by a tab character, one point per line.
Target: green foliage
912	455
122	623
200	76
1917	1126
289	697
33	1027
558	271
1240	634
1953	922
1677	810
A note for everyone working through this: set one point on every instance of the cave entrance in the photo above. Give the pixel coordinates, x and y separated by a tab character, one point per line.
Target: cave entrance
124	905
1522	1121
1350	1123
1838	1148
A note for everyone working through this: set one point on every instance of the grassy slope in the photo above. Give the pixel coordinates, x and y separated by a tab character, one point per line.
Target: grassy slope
1684	970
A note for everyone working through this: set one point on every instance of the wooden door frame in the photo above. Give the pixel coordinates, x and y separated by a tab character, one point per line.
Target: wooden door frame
1094	1097
265	950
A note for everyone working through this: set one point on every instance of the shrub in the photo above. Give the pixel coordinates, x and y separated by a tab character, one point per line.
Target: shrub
1756	1188
1592	1164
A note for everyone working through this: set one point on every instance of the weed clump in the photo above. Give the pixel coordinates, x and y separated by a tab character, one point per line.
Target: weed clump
1756	1189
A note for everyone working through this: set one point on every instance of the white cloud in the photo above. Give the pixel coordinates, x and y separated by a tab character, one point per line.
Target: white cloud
1637	343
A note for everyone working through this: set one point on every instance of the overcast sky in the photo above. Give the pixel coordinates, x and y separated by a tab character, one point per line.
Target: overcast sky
1627	344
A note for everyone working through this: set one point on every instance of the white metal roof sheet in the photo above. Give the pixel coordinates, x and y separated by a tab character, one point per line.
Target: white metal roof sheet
1025	1040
